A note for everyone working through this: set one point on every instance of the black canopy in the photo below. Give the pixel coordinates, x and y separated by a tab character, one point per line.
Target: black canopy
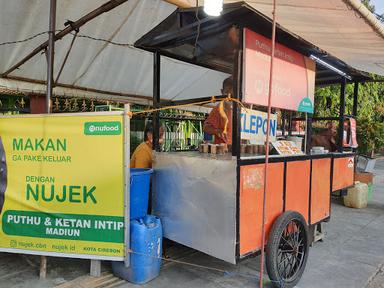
191	36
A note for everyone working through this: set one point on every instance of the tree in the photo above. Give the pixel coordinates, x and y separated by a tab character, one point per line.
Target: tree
368	4
372	8
370	114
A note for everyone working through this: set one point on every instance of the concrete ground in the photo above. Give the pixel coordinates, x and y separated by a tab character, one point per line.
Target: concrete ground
352	255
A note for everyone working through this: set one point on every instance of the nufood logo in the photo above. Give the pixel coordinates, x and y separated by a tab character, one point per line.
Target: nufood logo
102	128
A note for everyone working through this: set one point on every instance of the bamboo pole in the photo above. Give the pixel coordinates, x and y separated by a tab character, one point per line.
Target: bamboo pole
267	145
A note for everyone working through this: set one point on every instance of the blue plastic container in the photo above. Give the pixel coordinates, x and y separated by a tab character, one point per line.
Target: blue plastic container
140	184
146	244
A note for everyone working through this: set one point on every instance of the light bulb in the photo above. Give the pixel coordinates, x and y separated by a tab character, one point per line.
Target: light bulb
213	7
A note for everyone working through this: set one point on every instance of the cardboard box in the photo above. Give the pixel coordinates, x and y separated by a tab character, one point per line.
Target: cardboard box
364	177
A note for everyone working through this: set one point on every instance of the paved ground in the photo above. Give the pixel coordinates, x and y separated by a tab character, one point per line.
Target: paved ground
352	255
377	281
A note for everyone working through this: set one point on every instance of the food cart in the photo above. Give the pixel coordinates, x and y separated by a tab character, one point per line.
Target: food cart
214	203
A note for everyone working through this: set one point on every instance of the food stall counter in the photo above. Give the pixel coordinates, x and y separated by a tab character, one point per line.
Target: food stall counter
196	194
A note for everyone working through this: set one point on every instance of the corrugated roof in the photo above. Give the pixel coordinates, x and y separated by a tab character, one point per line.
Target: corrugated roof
94	66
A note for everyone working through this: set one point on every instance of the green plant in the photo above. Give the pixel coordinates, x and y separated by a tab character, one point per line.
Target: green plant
370	112
370	136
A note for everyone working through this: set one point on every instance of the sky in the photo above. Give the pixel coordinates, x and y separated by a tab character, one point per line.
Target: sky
379	4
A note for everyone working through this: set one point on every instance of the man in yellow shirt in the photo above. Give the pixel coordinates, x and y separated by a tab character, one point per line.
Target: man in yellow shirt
142	157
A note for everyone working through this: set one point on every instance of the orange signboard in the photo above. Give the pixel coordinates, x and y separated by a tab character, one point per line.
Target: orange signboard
293	85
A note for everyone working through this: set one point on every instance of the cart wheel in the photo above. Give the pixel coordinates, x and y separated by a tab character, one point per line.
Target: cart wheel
287	250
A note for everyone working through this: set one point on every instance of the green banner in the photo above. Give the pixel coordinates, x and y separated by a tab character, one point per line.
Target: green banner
64	226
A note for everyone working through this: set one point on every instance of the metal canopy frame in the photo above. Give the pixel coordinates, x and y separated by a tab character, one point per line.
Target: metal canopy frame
48	47
51	54
72	27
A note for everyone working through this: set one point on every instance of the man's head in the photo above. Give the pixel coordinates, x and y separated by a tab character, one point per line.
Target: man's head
227	86
227	90
148	133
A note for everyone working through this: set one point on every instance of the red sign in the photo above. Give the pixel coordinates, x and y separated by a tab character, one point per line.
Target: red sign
293	85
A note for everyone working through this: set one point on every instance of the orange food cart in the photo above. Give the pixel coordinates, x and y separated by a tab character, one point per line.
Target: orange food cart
215	203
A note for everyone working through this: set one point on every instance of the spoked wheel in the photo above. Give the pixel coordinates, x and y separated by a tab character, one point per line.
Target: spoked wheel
287	250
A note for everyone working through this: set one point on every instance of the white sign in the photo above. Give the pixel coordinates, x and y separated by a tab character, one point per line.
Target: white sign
254	126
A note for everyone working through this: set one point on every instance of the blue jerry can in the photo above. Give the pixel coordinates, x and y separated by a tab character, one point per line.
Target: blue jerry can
146	244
